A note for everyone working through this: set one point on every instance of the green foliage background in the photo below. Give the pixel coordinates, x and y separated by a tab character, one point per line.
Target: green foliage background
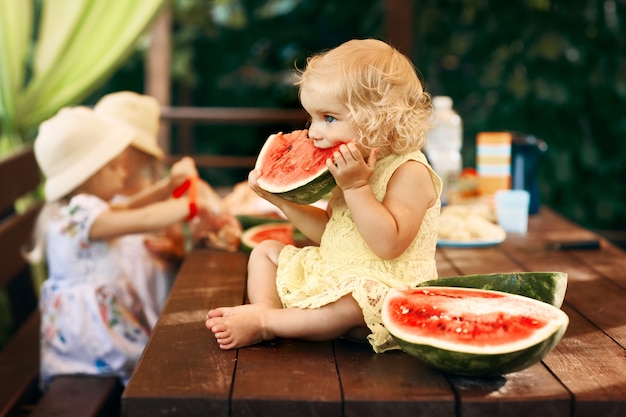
552	68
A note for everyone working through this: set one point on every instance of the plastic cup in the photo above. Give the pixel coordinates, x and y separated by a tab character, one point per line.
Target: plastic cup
512	210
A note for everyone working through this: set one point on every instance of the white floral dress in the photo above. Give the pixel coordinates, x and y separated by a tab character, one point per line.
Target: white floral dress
343	263
92	322
151	277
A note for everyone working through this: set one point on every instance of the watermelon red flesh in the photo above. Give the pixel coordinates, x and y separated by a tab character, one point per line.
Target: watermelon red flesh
293	167
472	332
282	232
284	235
456	323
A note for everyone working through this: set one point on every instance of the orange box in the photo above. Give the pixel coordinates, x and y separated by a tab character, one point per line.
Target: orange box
493	161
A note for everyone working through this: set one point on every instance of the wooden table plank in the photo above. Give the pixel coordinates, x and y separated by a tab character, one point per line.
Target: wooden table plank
592	367
604	263
189	374
391	383
288	378
183	371
530	392
480	260
445	268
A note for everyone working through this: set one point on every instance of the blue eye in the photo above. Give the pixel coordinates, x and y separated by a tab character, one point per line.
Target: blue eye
329	119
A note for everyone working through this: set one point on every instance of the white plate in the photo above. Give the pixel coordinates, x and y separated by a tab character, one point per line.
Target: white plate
469	243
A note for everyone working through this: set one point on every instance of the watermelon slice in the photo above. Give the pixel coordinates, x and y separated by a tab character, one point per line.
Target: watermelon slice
280	231
293	168
472	332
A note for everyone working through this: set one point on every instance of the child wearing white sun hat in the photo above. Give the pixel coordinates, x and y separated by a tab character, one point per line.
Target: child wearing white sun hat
152	272
141	113
144	159
92	321
151	259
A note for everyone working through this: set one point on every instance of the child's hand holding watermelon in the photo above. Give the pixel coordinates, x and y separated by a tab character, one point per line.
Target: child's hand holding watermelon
349	167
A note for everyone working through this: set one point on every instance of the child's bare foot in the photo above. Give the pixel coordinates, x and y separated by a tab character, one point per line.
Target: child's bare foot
238	330
232	311
219	312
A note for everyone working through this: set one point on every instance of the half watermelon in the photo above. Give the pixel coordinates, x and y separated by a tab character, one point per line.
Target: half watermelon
293	168
472	332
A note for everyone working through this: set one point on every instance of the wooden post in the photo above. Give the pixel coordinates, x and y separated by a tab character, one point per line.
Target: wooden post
157	70
399	25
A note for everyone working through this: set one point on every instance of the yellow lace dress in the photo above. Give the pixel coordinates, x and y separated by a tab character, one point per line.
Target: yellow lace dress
343	264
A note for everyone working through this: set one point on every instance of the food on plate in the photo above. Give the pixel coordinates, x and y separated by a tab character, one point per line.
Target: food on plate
466	187
469	223
292	167
472	332
227	237
548	287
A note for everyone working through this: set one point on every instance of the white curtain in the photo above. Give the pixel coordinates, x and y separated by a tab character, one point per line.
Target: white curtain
79	44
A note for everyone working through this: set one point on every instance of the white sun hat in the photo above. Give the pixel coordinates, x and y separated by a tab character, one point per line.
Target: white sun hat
73	145
138	111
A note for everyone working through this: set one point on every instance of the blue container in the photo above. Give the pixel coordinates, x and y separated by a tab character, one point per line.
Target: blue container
526	154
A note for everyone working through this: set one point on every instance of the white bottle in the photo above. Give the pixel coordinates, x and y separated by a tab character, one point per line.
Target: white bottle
443	144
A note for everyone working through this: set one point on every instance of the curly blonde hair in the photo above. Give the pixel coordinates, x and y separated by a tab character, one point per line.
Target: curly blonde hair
381	89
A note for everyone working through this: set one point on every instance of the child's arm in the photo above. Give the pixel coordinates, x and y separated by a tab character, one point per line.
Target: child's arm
309	220
162	189
389	227
153	217
158	191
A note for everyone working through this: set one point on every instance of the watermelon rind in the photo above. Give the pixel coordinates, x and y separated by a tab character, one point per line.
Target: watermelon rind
546	286
249	220
477	365
313	191
306	191
466	360
247	243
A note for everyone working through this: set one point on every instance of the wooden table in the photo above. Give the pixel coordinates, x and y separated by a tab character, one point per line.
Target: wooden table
183	372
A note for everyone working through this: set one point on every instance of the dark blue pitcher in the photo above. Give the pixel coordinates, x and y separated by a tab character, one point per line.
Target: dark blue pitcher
526	154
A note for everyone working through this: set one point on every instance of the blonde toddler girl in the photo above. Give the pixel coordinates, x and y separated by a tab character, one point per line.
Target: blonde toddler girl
380	228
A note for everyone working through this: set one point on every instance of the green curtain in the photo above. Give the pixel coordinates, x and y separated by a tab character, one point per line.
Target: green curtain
79	43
